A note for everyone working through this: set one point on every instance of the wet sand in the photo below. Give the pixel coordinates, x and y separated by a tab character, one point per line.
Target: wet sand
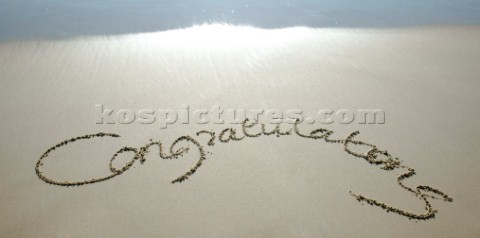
425	79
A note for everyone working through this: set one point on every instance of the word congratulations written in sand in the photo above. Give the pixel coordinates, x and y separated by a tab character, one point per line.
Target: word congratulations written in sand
373	156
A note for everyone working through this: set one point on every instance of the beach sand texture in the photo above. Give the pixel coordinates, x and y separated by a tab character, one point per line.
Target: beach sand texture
424	78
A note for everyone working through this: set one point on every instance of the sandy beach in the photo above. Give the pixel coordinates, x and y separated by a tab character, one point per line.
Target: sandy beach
425	79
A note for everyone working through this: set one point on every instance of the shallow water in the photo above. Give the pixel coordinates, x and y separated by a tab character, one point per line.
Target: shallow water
62	19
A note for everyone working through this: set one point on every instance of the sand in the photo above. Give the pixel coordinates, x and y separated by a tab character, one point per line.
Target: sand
291	183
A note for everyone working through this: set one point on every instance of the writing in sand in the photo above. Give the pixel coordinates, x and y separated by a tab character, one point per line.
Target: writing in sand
373	155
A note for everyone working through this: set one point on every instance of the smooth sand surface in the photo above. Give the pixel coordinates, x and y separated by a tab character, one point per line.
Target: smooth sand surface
425	79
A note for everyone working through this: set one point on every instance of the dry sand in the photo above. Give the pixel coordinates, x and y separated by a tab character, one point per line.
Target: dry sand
426	80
